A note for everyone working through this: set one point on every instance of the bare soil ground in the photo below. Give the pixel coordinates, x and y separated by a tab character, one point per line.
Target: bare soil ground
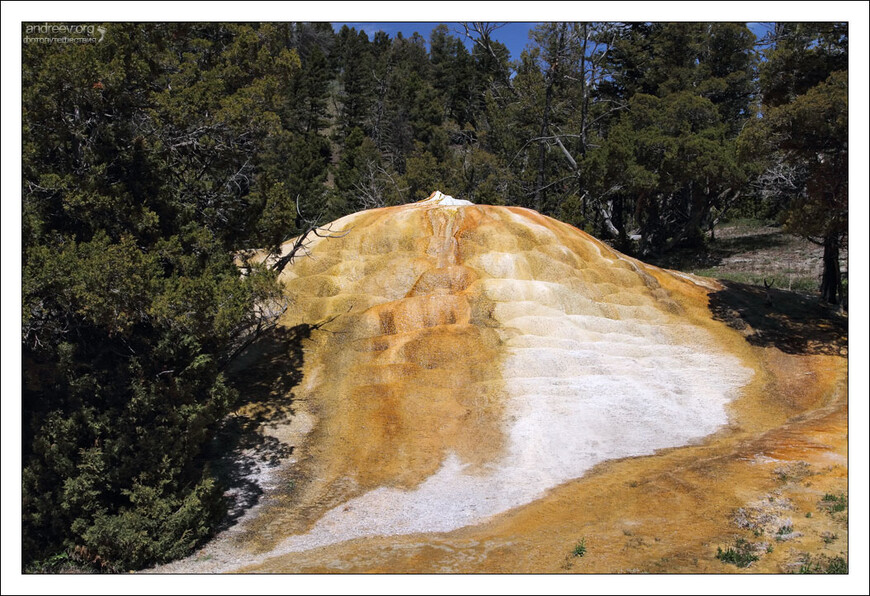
751	251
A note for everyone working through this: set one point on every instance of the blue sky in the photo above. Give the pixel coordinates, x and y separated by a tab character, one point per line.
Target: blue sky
514	35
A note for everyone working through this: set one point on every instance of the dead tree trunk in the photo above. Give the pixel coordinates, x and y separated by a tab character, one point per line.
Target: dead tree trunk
552	80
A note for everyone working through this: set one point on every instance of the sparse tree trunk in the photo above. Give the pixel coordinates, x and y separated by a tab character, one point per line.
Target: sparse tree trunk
377	125
542	150
831	269
584	91
552	79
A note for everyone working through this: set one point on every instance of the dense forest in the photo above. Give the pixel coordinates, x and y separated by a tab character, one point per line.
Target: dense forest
153	159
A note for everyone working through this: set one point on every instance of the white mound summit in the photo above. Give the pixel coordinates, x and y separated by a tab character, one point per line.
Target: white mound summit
439	198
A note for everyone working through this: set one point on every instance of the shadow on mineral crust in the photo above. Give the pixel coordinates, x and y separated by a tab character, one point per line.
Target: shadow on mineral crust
264	375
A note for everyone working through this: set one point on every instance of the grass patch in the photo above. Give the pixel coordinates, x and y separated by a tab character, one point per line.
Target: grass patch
804	284
793	472
58	563
741	554
744	223
65	562
580	548
786	532
825	565
834	503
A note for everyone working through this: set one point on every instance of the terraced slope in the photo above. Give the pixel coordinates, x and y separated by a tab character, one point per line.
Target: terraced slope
476	358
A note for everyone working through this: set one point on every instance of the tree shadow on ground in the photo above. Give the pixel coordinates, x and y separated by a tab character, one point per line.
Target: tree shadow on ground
264	375
793	322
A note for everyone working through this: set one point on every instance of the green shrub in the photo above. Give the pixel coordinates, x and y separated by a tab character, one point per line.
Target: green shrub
61	562
741	554
834	503
157	529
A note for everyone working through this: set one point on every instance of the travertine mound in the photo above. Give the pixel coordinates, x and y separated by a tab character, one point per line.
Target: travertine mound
477	357
476	384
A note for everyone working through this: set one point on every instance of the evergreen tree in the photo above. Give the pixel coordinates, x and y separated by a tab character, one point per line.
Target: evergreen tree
454	77
361	182
686	91
802	55
800	146
138	163
411	110
310	93
355	79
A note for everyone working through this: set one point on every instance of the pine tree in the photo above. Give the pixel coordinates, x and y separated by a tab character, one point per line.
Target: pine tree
355	79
